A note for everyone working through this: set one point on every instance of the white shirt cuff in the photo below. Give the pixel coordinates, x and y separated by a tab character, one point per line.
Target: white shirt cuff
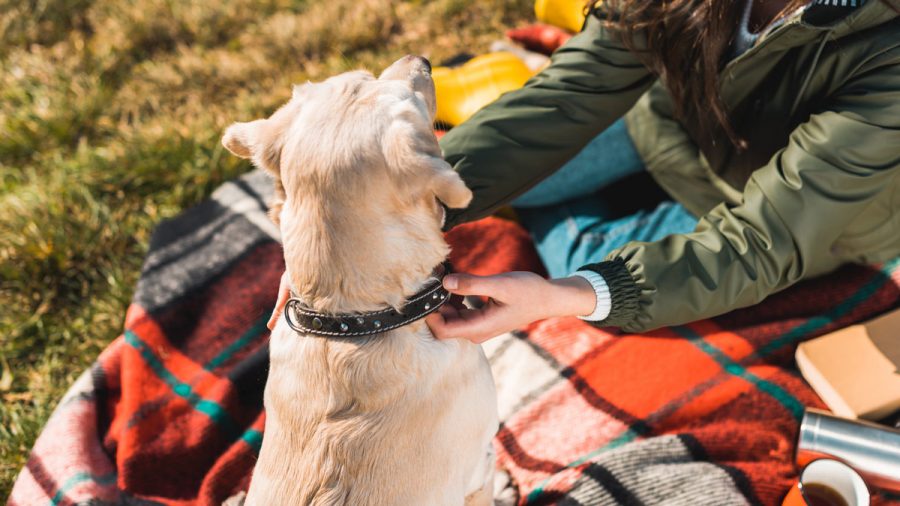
601	290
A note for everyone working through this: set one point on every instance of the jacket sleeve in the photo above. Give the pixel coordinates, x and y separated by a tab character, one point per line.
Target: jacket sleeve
527	134
793	210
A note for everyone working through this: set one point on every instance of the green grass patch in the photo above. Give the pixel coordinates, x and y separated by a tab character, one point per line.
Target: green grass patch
110	118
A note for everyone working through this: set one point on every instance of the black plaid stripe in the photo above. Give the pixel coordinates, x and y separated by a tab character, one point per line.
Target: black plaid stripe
611	484
522	458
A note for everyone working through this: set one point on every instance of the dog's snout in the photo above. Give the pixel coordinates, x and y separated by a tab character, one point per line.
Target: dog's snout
420	59
407	67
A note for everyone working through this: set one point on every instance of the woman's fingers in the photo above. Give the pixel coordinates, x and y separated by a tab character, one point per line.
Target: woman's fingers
479	325
437	324
437	321
284	293
470	284
514	299
476	325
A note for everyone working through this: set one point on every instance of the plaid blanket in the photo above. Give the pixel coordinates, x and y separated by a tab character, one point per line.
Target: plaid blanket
706	413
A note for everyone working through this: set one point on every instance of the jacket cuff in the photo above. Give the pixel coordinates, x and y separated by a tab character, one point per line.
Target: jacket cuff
624	292
602	303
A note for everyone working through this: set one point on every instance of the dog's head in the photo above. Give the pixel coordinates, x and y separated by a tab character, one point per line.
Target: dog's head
358	173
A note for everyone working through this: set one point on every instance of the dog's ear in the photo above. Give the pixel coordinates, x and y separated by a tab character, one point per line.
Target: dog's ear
413	152
240	138
254	140
259	140
262	140
448	187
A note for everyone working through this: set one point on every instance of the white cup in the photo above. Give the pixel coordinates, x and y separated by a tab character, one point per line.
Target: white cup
834	474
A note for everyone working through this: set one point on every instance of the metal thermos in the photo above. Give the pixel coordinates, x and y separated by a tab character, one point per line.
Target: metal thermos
872	450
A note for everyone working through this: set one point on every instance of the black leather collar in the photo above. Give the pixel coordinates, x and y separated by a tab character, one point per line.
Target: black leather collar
426	301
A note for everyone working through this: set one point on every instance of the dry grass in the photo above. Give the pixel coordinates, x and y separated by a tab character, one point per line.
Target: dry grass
110	117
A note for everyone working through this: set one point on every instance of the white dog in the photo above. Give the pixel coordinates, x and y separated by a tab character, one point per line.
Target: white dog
396	417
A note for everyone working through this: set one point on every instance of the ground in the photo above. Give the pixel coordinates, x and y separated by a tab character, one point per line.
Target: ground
110	118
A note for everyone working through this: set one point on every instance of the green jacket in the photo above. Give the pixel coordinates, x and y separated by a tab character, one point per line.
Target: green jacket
817	187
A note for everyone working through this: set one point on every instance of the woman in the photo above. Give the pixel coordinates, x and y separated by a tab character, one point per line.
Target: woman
774	130
772	127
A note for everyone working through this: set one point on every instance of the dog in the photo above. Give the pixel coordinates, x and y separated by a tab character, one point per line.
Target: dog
393	418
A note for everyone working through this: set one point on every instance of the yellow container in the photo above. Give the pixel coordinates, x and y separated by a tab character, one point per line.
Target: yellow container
463	90
568	14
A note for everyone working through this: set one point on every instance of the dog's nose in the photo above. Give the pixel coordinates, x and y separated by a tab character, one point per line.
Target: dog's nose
427	63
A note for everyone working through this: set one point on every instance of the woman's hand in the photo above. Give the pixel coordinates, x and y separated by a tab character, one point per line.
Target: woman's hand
515	299
284	293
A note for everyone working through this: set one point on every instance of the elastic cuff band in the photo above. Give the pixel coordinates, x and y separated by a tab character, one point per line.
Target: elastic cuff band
624	293
601	290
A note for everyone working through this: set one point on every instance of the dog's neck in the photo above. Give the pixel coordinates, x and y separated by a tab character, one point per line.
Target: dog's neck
344	260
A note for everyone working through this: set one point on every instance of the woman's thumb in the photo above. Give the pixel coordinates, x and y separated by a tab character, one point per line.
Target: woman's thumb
468	284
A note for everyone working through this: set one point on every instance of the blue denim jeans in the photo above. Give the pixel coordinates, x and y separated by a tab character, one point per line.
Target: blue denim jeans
598	201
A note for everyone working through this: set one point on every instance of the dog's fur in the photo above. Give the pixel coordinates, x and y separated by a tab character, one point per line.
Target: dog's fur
394	419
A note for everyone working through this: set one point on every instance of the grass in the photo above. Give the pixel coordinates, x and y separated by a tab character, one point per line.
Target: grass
110	118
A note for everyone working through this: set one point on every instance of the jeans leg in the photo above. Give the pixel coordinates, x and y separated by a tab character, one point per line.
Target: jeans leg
607	158
583	231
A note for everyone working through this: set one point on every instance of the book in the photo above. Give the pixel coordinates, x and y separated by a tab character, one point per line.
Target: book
856	370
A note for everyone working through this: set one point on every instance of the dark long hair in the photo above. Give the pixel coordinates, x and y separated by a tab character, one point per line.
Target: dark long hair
686	42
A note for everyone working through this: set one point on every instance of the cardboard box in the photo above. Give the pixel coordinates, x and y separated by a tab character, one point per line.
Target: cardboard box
856	370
